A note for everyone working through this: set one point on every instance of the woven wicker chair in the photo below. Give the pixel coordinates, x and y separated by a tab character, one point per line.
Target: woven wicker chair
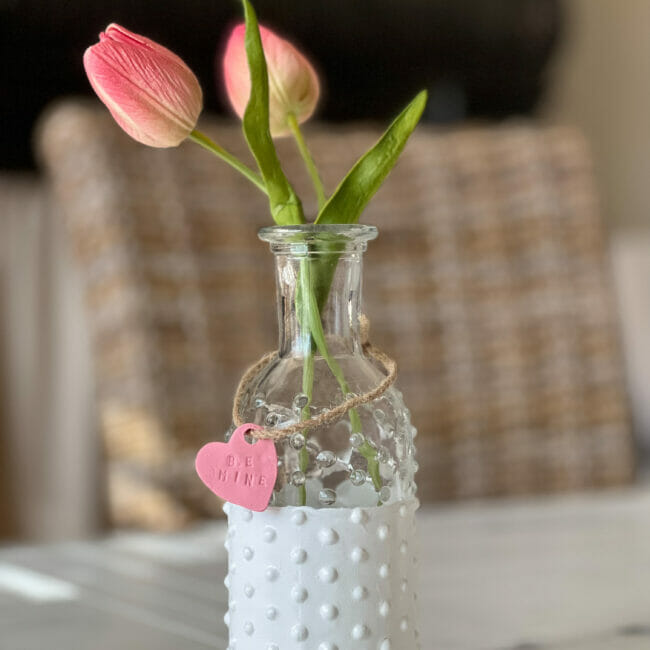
488	284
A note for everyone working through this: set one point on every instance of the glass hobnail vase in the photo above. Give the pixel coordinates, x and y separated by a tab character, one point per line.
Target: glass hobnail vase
338	536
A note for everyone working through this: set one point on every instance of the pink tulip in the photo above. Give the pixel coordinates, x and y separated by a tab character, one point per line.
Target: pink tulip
293	82
149	90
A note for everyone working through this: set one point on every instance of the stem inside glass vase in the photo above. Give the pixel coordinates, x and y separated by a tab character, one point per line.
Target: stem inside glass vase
318	272
310	310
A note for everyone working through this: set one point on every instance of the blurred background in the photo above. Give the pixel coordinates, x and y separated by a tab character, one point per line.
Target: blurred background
537	120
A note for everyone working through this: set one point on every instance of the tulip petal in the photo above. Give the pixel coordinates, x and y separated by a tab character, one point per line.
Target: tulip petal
293	82
149	91
235	70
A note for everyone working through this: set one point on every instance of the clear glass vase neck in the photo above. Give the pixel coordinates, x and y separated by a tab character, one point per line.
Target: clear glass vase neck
319	286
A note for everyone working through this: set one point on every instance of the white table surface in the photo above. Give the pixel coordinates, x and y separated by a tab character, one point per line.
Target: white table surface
564	573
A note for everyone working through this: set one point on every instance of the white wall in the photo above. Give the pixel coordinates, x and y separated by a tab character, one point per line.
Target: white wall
600	82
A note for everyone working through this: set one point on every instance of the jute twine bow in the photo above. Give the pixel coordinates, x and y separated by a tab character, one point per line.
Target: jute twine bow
328	416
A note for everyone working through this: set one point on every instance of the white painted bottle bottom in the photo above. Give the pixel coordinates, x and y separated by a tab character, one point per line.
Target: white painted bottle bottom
301	578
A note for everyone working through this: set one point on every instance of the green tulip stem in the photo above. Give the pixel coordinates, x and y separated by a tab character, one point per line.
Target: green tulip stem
303	307
309	161
307	389
311	316
213	147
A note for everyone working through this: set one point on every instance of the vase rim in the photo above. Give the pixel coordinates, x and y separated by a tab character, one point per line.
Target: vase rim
353	232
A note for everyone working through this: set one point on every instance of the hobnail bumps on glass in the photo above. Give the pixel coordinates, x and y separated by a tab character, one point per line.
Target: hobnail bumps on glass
297	441
326	459
357	439
358	477
387	438
300	401
348	576
298	478
327	497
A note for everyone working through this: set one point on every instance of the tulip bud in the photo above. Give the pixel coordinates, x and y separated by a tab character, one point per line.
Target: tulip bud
149	90
293	82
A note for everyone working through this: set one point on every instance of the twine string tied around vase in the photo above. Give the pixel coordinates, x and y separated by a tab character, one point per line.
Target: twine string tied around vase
328	416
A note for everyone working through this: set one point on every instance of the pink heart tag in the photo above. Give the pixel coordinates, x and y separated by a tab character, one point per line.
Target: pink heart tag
238	471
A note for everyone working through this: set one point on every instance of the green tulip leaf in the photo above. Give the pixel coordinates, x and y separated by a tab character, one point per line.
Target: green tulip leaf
369	172
285	205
